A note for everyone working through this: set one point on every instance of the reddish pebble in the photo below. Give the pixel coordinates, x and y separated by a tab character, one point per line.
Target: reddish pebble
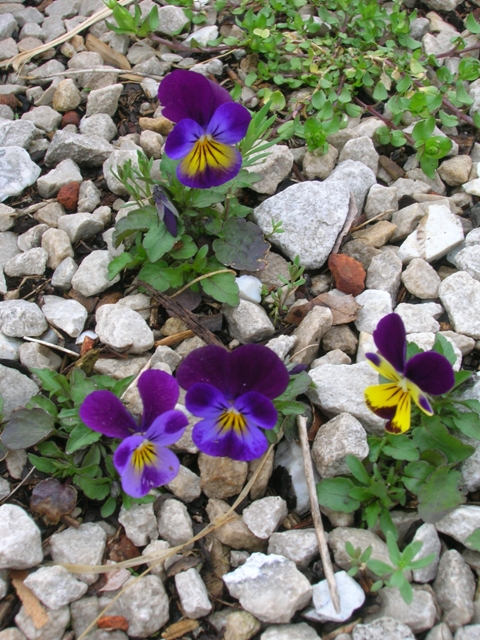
348	273
70	117
113	623
68	196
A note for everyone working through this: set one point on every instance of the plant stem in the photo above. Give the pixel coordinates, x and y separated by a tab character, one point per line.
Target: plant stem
388	122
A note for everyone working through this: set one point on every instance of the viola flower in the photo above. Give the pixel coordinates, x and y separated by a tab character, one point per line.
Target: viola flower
233	393
208	124
425	373
166	210
142	458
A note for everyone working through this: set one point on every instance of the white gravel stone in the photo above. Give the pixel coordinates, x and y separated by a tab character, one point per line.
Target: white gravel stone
357	177
80	226
359	538
123	329
289	456
66	172
68	315
382	629
460	295
419	615
421	279
351	595
186	485
460	523
427	534
16	390
55	587
84	545
174	523
17	171
8	25
375	305
112	163
468	260
379	200
339	437
66	97
420	317
155	548
31	238
172	20
282	345
88	151
20	318
31	263
140	523
321	165
298	545
249	288
193	594
63	274
92	275
88	197
312	215
98	124
273	169
455	171
301	631
309	333
362	150
58	246
8	246
104	100
54	628
454	588
264	516
44	118
248	322
20	539
384	273
269	587
15	133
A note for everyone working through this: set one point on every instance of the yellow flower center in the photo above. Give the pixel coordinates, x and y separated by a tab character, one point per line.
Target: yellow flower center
144	455
232	419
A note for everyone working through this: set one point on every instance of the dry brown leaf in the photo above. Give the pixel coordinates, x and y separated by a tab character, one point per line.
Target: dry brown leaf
109	55
33	607
52	499
344	308
179	629
185	563
113	623
120	548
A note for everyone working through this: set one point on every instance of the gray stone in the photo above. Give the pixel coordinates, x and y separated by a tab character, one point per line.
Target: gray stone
92	275
468	260
420	317
172	20
454	587
144	604
53	27
98	124
298	545
84	545
157	549
66	97
37	356
57	622
122	328
276	266
357	177
57	244
248	322
339	437
362	150
66	172
63	274
9	49
309	333
166	355
112	163
455	171
16	133
185	486
301	631
8	25
350	593
31	238
140	523
427	534
8	247
460	295
259	585
380	200
312	216
68	315
152	144
96	75
8	215
86	151
119	369
104	100
9	347
406	220
16	389
382	629
421	279
361	539
20	318
439	632
174	523
12	633
17	171
460	523
221	477
321	165
44	118
88	197
282	345
419	615
336	356
80	226
55	587
264	516
375	305
234	533
31	263
49	214
20	539
384	273
63	8
193	594
470	632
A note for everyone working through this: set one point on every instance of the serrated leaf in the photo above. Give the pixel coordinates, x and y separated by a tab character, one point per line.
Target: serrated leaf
80	437
333	493
222	287
401	448
440	494
435	435
157	241
153	274
94	488
243	245
26	427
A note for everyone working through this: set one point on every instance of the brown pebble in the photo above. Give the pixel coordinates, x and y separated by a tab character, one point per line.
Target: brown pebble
10	100
68	196
348	273
70	117
159	125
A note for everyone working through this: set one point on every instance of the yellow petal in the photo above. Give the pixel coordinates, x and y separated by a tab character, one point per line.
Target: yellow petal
387	399
208	153
384	368
419	398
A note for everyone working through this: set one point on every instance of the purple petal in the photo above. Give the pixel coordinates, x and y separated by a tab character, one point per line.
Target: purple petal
170	221
248	445
229	123
257	409
102	411
431	372
186	94
167	428
205	401
390	339
209	164
159	392
166	210
137	482
251	367
182	139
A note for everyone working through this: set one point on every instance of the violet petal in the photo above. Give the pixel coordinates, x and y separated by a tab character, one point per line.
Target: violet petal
182	139
159	392
390	339
257	409
207	364
167	428
431	372
186	94
229	123
102	411
205	400
254	367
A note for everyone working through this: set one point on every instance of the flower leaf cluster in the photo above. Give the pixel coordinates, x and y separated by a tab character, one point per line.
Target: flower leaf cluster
132	24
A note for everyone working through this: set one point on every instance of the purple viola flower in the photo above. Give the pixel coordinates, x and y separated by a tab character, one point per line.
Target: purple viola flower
233	393
166	210
208	124
142	458
425	373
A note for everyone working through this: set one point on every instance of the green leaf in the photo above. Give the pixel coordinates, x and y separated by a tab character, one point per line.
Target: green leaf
468	423
473	540
435	435
472	25
401	448
333	493
380	93
357	469
119	263
440	494
379	568
93	488
398	138
43	403
243	245
415	474
352	110
108	507
153	275
157	241
26	427
45	465
406	591
297	385
80	437
476	119
447	120
461	377
138	220
393	550
187	249
222	287
423	129
444	348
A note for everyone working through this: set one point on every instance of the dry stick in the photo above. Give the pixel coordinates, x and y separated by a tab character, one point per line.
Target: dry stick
316	516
